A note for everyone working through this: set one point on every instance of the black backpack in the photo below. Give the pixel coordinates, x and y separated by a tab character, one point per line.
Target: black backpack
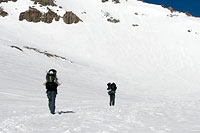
113	87
51	76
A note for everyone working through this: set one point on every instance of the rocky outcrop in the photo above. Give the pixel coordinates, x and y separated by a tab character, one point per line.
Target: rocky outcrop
32	15
7	0
44	2
188	14
113	20
171	9
115	1
49	16
104	0
50	55
2	12
16	48
135	25
70	17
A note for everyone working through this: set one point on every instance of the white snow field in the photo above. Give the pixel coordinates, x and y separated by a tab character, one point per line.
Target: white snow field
153	58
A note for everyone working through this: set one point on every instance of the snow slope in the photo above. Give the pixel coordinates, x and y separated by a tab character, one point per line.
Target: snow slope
155	66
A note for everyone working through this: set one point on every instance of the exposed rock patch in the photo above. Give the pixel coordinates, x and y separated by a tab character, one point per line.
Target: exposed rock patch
47	53
3	13
115	1
142	14
188	14
44	2
104	0
109	17
171	9
135	25
70	17
32	15
113	20
172	15
136	13
7	0
49	16
41	52
16	48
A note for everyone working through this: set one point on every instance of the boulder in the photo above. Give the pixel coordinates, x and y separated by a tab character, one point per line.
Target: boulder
188	14
113	20
2	12
32	15
49	16
70	17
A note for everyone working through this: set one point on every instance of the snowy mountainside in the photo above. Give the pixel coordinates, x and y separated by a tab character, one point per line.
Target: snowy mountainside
151	54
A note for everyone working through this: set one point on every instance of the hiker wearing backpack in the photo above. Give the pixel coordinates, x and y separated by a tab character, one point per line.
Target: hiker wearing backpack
51	86
111	91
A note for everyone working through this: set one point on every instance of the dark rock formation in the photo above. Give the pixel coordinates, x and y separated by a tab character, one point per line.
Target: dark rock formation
7	0
104	0
115	1
135	25
163	6
17	48
136	13
2	12
70	17
44	2
171	9
34	15
47	53
172	15
188	14
113	20
49	16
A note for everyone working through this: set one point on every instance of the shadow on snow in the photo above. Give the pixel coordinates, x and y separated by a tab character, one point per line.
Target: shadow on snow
65	112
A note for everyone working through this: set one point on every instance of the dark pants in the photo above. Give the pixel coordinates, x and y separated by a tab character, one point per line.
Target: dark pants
112	99
52	99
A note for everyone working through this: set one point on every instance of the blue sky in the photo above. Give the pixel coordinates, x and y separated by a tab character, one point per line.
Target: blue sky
192	6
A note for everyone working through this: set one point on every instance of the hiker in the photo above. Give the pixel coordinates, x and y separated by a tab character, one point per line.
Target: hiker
51	86
111	91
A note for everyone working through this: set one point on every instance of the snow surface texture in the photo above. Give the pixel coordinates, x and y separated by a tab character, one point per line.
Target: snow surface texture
156	66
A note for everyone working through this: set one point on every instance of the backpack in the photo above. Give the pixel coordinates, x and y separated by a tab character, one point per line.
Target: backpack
51	76
113	87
